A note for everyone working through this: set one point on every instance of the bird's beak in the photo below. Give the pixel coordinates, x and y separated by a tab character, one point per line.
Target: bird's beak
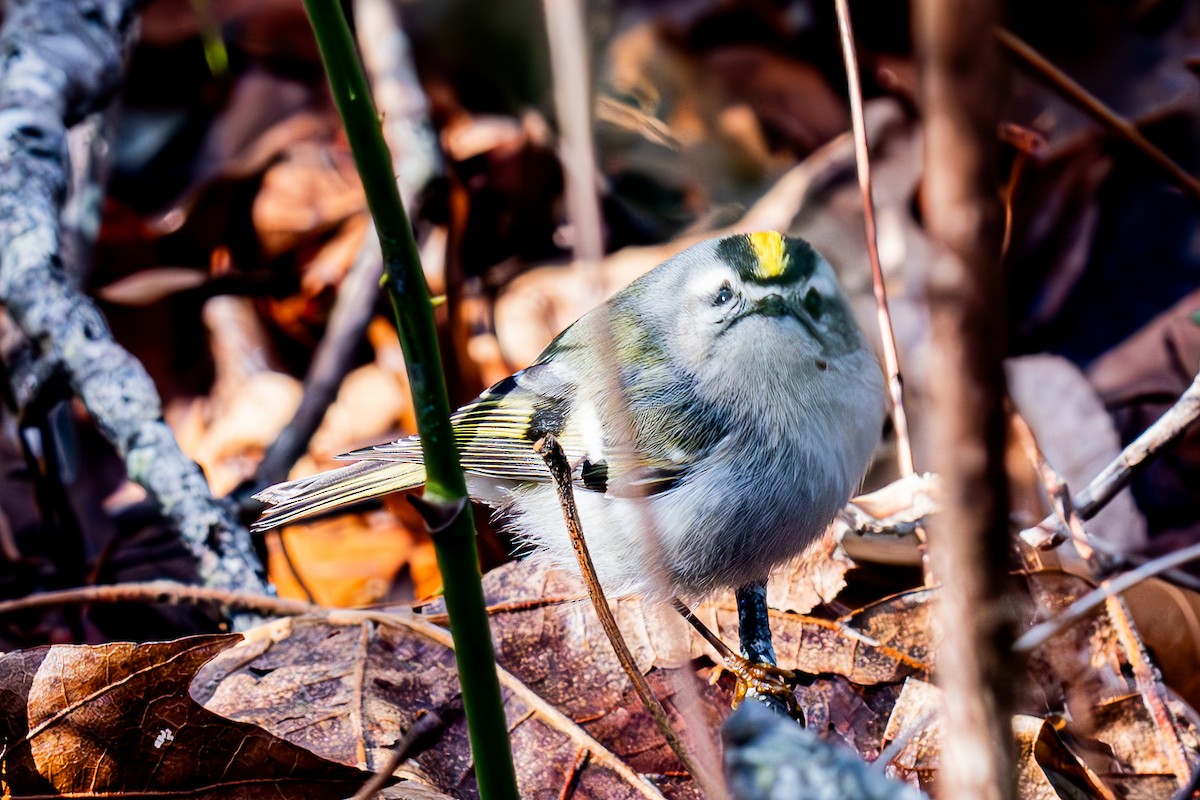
776	305
773	305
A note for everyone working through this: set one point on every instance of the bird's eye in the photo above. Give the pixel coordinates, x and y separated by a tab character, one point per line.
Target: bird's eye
723	296
814	304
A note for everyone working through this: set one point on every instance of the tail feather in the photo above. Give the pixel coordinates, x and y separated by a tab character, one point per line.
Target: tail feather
362	480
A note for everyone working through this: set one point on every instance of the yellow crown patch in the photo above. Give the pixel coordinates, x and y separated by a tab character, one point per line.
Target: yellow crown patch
770	253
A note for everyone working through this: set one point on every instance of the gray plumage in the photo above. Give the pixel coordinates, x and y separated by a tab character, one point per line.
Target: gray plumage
751	407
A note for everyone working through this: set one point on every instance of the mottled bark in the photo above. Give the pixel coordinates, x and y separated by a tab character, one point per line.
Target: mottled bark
63	61
962	91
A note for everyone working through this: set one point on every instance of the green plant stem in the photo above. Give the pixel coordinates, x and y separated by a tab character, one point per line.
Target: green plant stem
444	501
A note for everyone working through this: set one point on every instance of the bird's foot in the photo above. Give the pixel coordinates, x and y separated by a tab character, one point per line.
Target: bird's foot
756	671
767	682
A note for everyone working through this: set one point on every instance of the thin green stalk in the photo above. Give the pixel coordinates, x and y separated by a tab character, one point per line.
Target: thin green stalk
444	499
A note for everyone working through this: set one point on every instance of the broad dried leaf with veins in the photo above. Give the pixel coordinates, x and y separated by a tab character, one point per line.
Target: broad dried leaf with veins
1043	761
97	721
882	643
349	686
1126	732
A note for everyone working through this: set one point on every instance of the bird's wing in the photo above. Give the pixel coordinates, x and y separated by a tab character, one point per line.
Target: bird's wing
305	497
495	433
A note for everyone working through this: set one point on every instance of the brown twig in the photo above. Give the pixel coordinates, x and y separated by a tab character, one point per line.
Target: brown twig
862	156
511	607
427	722
560	470
1026	143
1145	678
1055	487
331	362
1166	430
1149	685
1097	110
161	592
572	99
962	90
1039	634
723	650
1054	529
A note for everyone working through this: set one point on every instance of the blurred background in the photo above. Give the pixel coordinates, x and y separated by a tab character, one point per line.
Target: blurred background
233	224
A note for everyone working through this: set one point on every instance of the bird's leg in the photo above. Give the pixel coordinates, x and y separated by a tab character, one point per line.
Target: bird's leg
757	674
754	626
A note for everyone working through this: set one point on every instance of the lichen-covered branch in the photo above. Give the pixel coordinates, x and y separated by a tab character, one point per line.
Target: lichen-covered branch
62	61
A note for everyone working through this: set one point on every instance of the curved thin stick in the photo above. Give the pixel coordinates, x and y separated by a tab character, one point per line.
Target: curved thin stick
1096	109
1042	633
161	592
862	156
556	460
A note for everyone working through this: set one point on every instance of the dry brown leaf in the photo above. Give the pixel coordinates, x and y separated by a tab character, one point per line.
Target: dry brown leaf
347	560
1099	672
307	193
116	719
857	715
915	728
349	686
1077	437
881	527
814	577
1168	618
884	642
1046	769
539	618
551	644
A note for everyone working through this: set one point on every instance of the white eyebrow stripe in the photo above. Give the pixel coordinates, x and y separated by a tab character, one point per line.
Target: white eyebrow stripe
709	280
823	282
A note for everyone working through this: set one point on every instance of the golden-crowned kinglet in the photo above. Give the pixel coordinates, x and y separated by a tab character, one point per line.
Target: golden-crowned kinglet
751	405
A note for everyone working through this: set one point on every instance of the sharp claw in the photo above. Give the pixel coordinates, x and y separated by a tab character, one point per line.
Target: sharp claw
771	683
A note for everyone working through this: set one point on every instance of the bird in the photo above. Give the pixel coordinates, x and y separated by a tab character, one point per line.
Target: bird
716	413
